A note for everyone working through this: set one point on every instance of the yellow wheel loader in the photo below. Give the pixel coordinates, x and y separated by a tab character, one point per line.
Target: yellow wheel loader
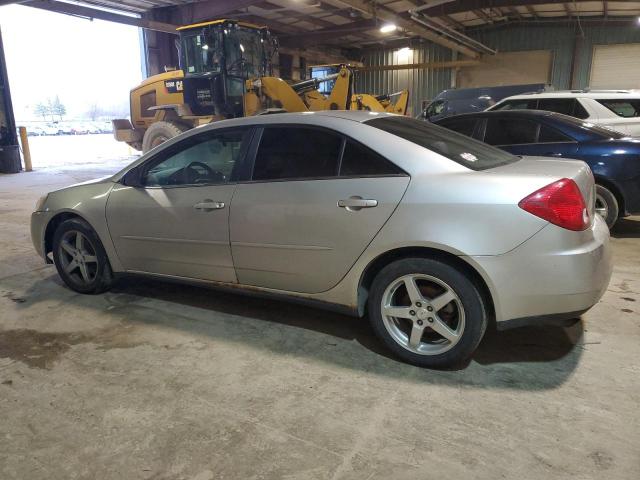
393	103
225	73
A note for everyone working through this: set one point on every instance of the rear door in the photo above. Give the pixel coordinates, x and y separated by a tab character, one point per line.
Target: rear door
316	200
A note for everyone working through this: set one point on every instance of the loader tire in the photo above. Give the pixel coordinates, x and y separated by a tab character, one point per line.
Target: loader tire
160	132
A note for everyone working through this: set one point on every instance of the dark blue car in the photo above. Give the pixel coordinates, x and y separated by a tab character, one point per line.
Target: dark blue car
613	158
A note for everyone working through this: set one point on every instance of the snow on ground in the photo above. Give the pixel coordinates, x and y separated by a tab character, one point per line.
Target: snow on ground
80	151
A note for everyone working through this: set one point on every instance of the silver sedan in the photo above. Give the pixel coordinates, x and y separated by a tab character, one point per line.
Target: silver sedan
432	235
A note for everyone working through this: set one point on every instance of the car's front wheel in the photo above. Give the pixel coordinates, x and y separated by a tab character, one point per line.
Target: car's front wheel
607	205
80	257
427	312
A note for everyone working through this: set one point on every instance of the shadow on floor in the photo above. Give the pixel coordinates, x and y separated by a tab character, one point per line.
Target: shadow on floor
527	358
626	228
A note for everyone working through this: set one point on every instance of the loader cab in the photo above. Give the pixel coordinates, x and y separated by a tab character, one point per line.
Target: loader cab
217	58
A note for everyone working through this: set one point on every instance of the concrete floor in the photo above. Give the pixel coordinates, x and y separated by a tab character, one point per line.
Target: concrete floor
159	381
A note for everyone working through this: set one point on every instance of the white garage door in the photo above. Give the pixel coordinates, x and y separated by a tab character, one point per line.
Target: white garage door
508	68
615	66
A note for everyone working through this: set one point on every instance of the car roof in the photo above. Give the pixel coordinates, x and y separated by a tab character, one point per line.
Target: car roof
359	116
509	113
602	94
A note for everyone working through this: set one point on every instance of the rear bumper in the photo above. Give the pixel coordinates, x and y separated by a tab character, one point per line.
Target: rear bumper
556	275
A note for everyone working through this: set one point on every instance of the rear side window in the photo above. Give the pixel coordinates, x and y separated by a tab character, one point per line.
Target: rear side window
522	104
622	107
579	111
558	105
551	135
464	126
358	160
452	145
297	153
510	131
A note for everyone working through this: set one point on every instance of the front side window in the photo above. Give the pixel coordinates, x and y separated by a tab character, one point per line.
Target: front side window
202	52
623	108
245	53
297	153
452	145
510	131
435	108
201	160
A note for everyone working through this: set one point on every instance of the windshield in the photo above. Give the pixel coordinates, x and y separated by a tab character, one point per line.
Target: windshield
201	52
455	146
245	53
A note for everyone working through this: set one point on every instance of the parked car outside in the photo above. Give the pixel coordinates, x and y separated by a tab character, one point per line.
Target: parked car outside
34	131
79	129
50	130
466	100
64	129
430	233
617	109
613	158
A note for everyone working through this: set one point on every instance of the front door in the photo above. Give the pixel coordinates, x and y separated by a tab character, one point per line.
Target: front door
315	202
176	222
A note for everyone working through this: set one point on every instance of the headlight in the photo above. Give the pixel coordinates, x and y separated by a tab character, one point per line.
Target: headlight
40	203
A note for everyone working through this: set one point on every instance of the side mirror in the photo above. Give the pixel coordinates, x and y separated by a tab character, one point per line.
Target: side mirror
133	178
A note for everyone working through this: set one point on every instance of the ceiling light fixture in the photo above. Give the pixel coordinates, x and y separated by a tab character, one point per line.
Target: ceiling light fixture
388	28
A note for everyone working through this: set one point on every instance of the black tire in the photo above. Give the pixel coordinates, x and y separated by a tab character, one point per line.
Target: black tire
468	295
160	132
99	272
608	202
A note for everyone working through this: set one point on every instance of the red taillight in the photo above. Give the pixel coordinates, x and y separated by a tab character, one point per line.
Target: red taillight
560	203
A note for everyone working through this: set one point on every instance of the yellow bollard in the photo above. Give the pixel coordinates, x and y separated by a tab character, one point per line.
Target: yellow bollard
25	149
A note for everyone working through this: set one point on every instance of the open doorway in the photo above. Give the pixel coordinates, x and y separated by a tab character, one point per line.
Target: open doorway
69	77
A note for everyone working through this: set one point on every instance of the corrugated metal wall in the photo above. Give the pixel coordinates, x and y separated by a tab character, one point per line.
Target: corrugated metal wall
560	39
423	84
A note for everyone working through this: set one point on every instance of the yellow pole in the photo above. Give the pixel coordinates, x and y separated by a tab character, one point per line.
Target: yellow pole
25	149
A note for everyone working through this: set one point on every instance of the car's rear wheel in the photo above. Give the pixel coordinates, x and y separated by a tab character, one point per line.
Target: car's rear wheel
607	205
80	258
427	312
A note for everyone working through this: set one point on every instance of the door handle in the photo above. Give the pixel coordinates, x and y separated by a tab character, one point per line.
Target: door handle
208	206
355	203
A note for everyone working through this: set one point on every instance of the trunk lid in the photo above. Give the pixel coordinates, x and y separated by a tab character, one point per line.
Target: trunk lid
541	171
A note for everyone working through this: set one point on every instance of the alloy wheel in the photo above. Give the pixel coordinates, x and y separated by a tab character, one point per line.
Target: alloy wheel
602	207
78	257
423	314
